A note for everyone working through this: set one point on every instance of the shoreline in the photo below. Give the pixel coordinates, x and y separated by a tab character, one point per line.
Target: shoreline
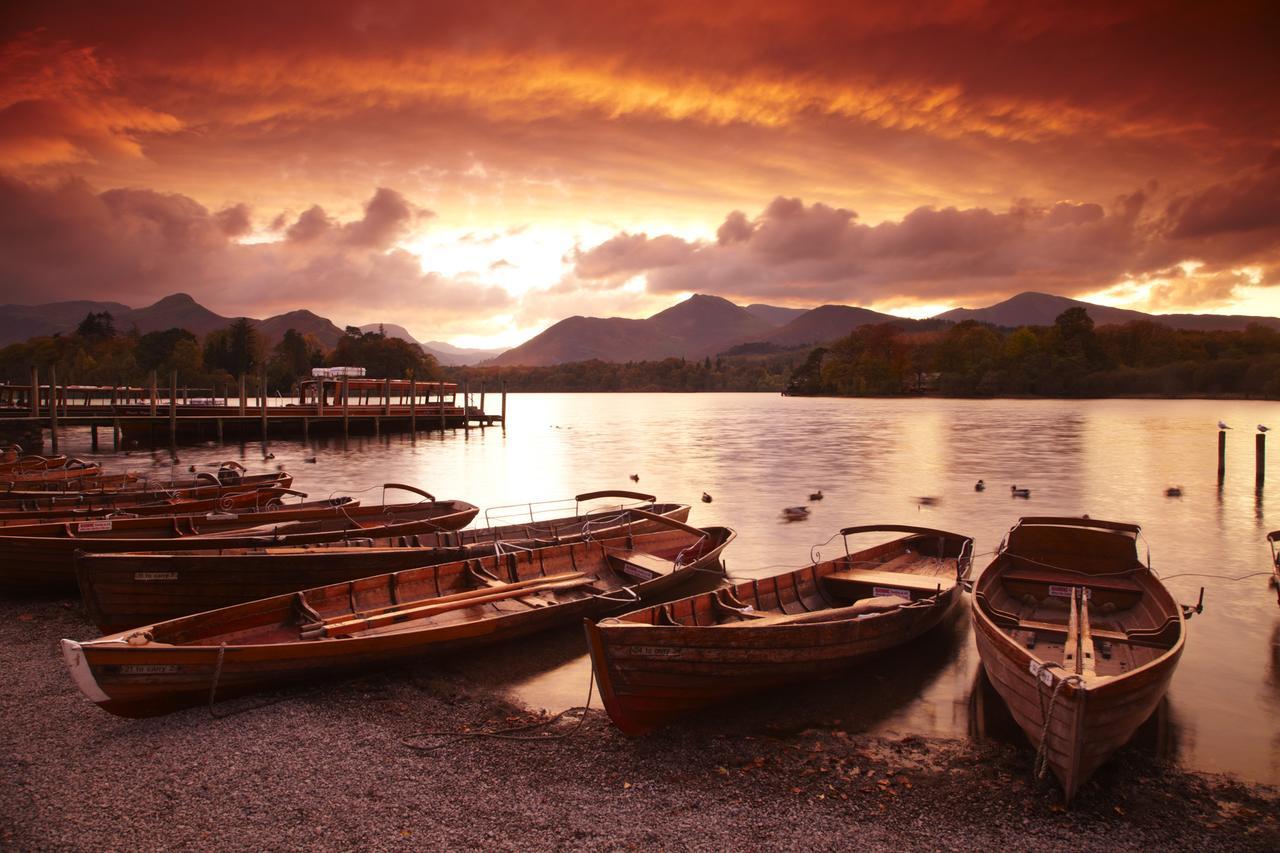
328	767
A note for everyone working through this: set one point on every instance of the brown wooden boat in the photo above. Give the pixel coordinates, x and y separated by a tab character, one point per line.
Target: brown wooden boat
246	500
44	559
1078	637
122	590
206	485
656	663
381	620
71	474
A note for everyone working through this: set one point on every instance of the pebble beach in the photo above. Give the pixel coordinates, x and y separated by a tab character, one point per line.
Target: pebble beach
395	760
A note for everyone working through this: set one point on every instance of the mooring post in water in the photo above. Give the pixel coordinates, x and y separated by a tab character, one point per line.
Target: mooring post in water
466	407
115	433
1260	459
53	407
504	405
345	406
93	436
482	424
219	424
1222	455
242	397
153	393
386	397
35	393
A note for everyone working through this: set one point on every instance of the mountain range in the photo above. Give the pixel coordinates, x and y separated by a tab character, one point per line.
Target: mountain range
698	327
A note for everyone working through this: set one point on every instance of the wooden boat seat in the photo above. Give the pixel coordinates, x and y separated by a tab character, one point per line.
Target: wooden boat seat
639	565
1104	583
853	582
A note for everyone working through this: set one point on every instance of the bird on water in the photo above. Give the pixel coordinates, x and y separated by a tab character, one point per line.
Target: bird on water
816	496
635	478
979	486
1019	493
706	498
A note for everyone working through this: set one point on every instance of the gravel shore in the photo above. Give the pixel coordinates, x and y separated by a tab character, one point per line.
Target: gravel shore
335	768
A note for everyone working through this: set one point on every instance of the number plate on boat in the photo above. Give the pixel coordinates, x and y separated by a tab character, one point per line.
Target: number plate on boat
147	668
155	576
1065	591
92	526
654	651
893	591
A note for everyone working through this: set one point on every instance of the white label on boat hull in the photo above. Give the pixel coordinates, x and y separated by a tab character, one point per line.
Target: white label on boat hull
878	591
155	576
1065	591
638	573
654	651
147	668
92	526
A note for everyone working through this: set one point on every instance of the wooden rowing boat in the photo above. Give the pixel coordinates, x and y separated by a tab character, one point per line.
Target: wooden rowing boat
46	560
381	620
142	491
656	663
64	476
82	476
1078	637
246	500
122	590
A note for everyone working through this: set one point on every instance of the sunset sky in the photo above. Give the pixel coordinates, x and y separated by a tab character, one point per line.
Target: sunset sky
476	171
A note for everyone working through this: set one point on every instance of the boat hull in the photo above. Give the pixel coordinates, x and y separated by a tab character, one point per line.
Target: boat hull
152	678
122	591
656	674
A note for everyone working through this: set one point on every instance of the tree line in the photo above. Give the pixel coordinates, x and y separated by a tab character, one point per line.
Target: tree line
767	372
1071	358
96	353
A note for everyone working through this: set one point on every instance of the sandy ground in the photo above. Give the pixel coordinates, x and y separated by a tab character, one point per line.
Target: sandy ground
332	767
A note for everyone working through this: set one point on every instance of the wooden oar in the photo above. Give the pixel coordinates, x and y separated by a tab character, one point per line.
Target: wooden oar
856	609
456	596
349	624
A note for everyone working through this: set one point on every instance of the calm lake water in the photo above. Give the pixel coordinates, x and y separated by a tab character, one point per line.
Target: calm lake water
874	459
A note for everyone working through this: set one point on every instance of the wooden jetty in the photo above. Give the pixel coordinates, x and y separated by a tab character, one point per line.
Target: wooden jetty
324	405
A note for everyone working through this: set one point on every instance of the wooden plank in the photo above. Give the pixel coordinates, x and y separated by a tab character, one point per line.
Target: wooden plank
873	577
1070	656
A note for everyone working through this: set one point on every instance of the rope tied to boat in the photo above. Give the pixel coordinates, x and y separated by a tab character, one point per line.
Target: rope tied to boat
217	674
1042	751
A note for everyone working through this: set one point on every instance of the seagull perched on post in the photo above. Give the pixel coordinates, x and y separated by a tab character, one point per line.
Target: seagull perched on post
1223	425
1262	428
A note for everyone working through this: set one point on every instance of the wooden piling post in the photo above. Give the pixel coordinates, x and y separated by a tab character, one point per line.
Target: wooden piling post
115	433
1260	460
242	397
1222	455
263	385
442	422
153	393
219	426
93	436
482	418
35	393
346	406
504	404
413	402
53	407
173	407
386	397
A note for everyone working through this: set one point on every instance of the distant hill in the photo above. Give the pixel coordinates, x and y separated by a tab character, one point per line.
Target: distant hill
1041	309
828	323
774	315
178	311
19	322
451	355
699	326
304	322
391	330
